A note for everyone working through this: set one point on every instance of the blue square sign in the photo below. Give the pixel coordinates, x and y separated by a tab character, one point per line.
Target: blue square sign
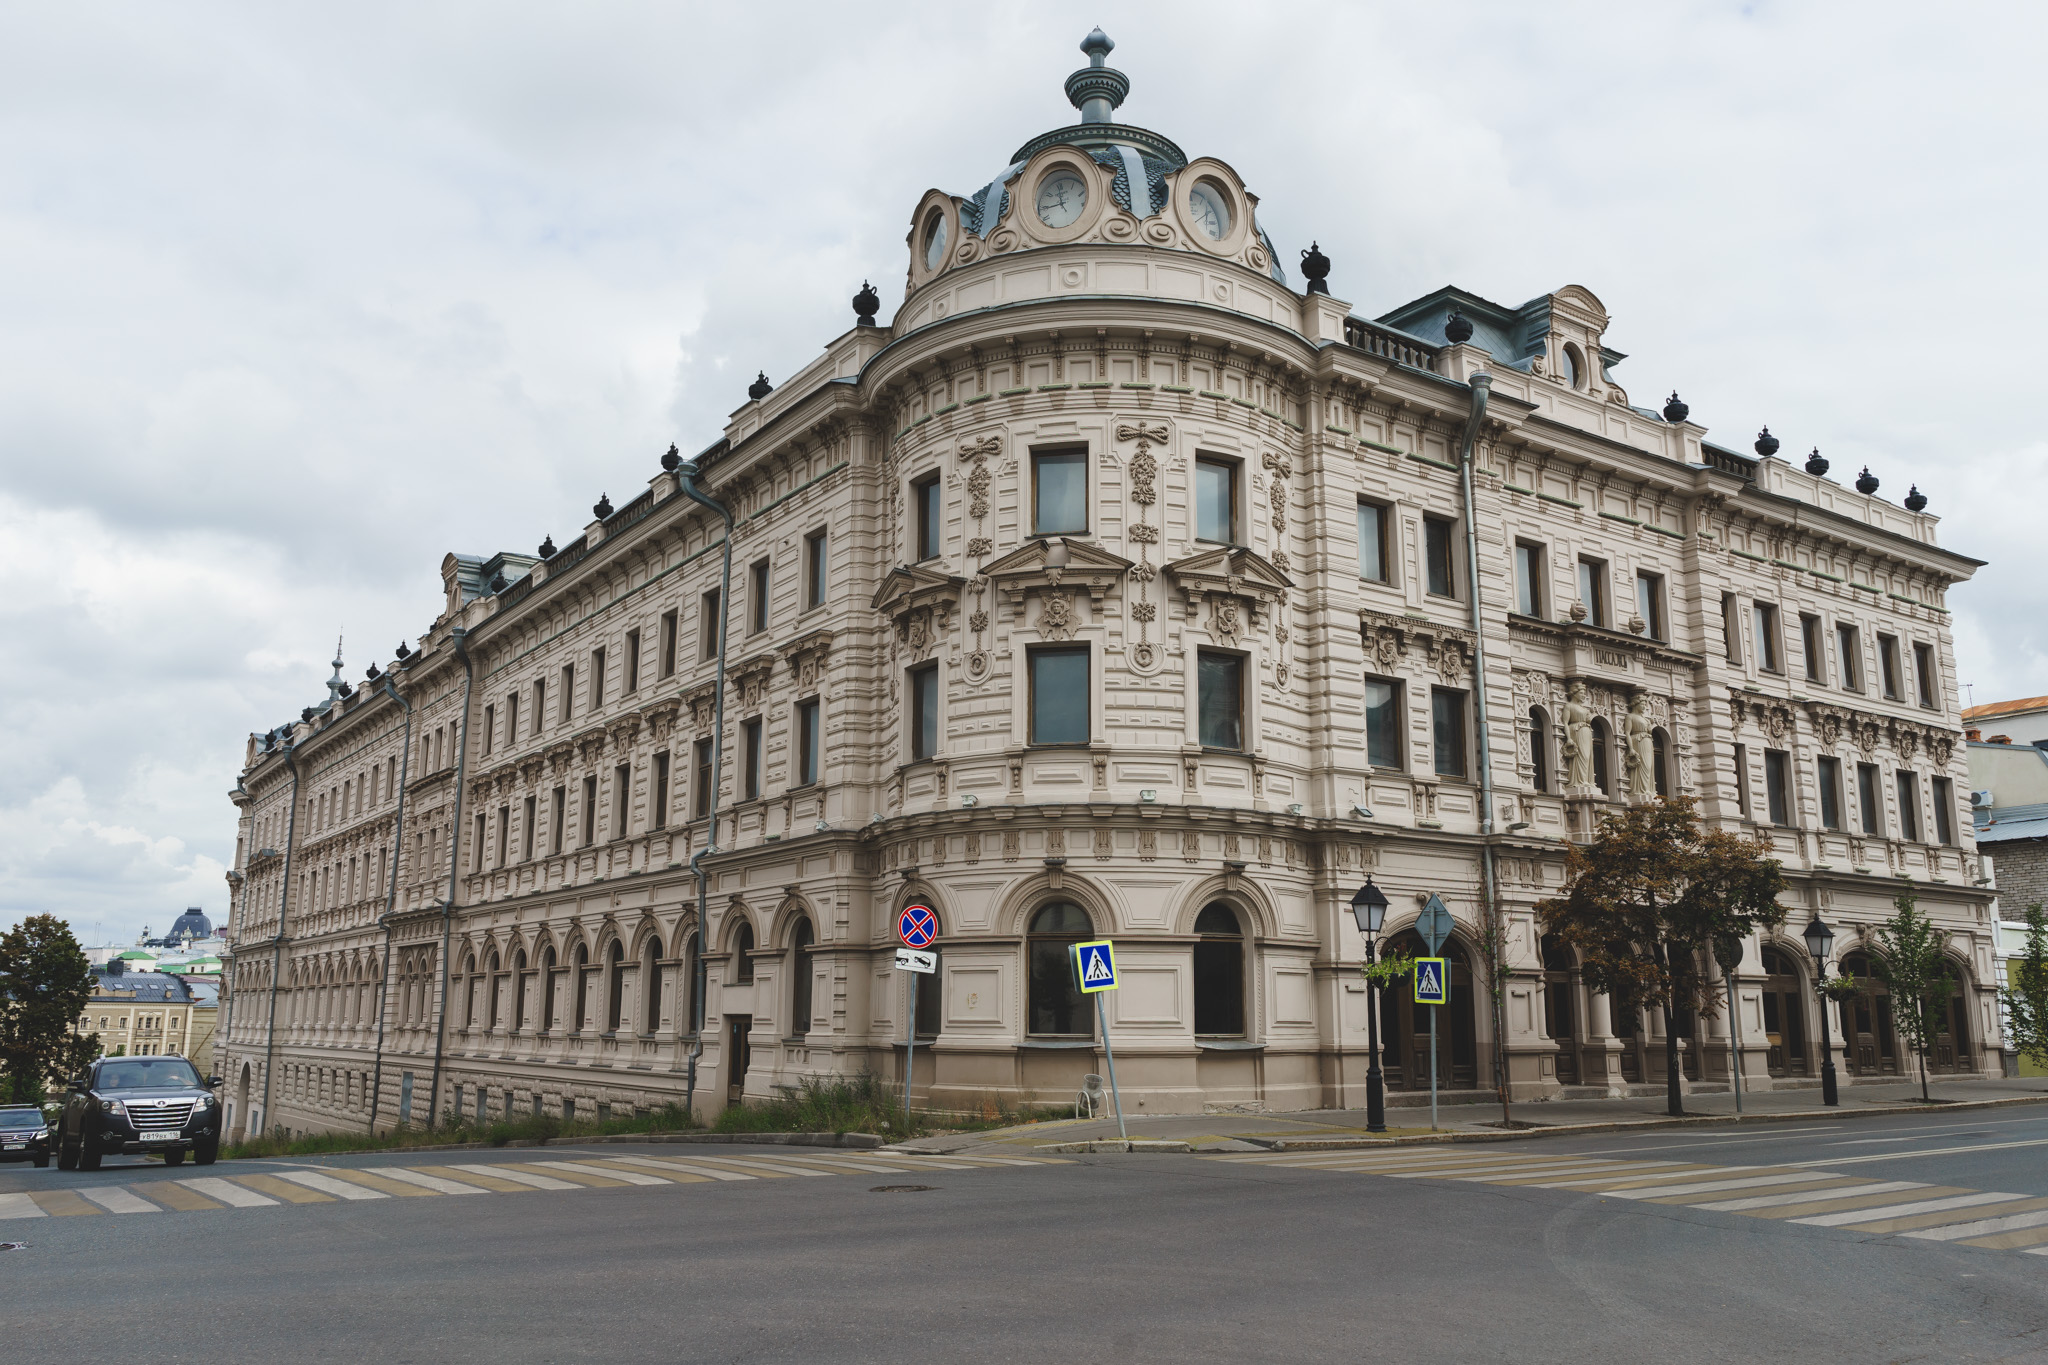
1432	981
1095	966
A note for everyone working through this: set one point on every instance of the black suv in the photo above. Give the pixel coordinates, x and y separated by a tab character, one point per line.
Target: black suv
141	1105
24	1136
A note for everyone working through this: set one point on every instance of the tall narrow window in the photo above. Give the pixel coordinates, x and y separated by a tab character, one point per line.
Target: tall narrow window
1382	723
1059	492
1059	700
750	737
589	811
1923	674
1215	499
596	699
1731	628
568	690
622	798
757	597
1849	648
632	661
1867	800
1372	541
1742	778
665	645
1650	603
1601	748
1057	1008
1909	806
709	620
615	986
924	711
700	801
526	828
1888	665
1778	785
490	728
660	792
558	819
800	979
1829	771
1766	637
1539	748
1810	644
1593	590
1219	973
650	986
1220	703
1447	720
1943	792
807	742
925	495
504	835
476	849
743	954
814	570
1528	579
1441	581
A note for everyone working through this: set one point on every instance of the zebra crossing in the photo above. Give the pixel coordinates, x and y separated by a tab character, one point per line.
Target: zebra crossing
1796	1193
281	1183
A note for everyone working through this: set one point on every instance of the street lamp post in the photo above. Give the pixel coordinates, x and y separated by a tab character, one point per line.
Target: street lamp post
1369	907
1820	941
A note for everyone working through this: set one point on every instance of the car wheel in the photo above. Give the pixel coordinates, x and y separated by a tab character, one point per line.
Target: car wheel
206	1153
88	1155
174	1158
67	1156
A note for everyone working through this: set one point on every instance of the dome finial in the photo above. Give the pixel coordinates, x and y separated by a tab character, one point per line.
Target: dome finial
1098	45
1097	88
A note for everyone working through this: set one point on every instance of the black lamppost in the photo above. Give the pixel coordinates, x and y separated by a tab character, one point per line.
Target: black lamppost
1820	941
1369	906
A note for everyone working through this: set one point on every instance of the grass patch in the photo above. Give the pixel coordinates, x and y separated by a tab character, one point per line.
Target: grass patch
868	1104
667	1119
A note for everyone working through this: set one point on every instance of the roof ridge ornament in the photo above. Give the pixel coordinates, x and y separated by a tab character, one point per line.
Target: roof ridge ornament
1097	89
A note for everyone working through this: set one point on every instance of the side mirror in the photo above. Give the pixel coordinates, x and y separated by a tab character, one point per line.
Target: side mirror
76	1083
213	1082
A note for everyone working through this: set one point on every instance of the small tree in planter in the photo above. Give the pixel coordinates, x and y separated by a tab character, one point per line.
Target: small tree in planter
2025	994
1912	960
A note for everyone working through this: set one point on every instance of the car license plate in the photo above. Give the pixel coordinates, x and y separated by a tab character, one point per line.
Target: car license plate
14	1146
160	1137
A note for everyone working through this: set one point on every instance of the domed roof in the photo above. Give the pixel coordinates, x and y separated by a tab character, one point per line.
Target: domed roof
192	924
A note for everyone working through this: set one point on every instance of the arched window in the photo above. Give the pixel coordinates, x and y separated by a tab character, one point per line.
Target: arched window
699	978
582	986
1660	759
650	979
469	992
615	986
494	1018
1574	367
1058	1009
800	979
1219	973
743	954
547	990
519	991
1600	754
1539	748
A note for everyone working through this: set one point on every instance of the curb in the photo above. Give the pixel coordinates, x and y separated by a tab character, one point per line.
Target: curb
1116	1145
856	1140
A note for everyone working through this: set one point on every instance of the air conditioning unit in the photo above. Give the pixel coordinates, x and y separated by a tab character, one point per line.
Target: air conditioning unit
1982	798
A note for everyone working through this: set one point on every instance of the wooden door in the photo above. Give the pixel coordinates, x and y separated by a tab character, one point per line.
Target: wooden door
739	1055
1784	1017
1561	1016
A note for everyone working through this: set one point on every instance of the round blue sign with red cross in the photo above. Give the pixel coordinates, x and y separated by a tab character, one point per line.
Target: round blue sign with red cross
917	926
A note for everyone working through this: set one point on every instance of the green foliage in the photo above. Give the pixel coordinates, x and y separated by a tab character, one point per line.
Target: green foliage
1841	989
45	983
1391	967
1911	958
863	1104
667	1119
2025	994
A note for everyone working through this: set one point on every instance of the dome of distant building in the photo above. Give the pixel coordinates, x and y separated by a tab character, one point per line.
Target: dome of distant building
192	924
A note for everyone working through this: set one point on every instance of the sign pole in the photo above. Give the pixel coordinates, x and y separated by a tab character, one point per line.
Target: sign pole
910	1044
1115	1096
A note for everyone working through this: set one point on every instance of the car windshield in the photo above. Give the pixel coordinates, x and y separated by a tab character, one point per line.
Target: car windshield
13	1116
145	1073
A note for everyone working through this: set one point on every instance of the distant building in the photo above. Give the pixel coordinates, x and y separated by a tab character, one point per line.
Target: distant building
152	1014
2024	721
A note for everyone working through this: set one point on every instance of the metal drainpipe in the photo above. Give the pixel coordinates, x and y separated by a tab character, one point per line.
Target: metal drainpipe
224	1036
686	479
284	900
391	898
460	639
1482	387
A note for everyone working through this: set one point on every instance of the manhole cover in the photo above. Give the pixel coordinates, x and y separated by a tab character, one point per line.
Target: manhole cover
899	1189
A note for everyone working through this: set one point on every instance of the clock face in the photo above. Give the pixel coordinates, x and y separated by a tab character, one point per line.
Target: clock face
1061	197
1211	214
935	242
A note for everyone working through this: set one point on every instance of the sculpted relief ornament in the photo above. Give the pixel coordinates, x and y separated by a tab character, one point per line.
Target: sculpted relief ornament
1578	740
976	454
1144	470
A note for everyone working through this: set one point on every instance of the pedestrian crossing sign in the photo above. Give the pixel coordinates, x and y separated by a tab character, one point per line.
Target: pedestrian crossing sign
1095	966
1432	981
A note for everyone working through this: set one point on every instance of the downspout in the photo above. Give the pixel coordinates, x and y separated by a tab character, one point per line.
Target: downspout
1482	387
284	900
224	1036
686	478
391	899
460	639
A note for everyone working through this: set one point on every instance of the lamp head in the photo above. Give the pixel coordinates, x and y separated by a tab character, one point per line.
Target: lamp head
1369	907
1820	940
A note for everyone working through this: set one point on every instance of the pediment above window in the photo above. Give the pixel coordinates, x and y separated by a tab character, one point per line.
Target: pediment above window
1231	570
1056	563
916	588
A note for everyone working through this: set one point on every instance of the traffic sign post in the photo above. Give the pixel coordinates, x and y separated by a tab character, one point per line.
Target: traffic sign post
1095	972
1434	925
917	926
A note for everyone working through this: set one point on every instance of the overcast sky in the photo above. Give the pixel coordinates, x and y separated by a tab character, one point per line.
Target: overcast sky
295	299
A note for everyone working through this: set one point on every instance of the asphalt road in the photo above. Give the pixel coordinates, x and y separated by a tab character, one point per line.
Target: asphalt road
1535	1251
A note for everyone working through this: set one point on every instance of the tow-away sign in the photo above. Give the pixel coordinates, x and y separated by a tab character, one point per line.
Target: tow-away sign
912	960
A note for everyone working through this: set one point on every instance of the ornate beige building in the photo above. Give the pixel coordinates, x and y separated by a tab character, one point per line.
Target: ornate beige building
1115	587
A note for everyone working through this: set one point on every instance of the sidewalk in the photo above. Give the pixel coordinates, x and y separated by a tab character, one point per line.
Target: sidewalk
1467	1121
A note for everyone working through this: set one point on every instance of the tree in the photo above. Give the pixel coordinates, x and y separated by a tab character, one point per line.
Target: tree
1653	890
45	983
2025	995
1911	958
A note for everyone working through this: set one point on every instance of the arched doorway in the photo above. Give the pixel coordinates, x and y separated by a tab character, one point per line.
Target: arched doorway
1219	973
1951	1051
1057	1008
1784	1016
1867	1034
1406	1026
1560	1007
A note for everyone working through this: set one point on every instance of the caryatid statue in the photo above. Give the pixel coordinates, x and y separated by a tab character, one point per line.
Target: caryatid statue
1578	739
1642	750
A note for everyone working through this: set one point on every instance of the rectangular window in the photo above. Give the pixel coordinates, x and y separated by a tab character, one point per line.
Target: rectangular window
1851	662
1650	603
1810	645
1867	799
490	728
925	493
476	848
1215	499
632	661
757	597
1909	806
807	742
750	739
665	645
1923	675
1778	785
1382	723
924	711
622	798
709	621
1447	721
814	570
1830	774
1440	581
700	805
1529	579
1731	628
558	819
660	793
589	811
1767	637
1059	700
1059	492
596	699
1372	541
526	828
1219	683
1888	665
1742	778
1944	794
568	689
504	835
1593	590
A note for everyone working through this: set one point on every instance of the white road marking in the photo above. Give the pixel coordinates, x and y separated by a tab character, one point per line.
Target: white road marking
1709	1186
1771	1201
114	1199
1981	1227
607	1172
539	1182
423	1180
1925	1151
670	1163
227	1191
19	1206
1954	1201
327	1184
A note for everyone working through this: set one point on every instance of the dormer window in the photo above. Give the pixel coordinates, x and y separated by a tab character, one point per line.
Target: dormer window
1574	366
934	241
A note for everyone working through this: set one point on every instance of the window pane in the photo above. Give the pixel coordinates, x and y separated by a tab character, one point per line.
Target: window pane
1213	519
1382	725
1219	682
1527	563
1776	781
1059	696
1448	714
1372	554
1057	1005
1436	537
1060	498
1831	793
807	743
1219	988
1909	807
928	518
1866	797
924	720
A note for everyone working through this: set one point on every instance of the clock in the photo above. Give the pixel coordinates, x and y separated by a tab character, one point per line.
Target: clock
935	242
1061	197
1209	209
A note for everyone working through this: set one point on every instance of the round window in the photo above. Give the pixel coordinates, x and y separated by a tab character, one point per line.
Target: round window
1061	197
935	241
1209	206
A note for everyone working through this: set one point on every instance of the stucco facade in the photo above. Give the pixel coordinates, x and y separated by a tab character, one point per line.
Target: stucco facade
1115	586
